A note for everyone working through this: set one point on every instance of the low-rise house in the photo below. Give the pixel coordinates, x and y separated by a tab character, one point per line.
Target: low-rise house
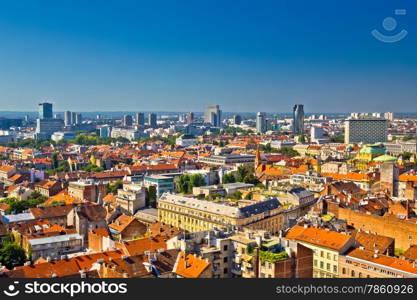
6	172
127	228
48	188
87	190
159	264
52	245
131	198
86	217
327	246
191	266
361	263
375	242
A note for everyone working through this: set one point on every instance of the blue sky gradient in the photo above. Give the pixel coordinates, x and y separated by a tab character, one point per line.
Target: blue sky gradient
182	55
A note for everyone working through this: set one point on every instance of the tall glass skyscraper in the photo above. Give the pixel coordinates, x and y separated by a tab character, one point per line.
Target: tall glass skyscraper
213	115
298	118
45	110
261	122
152	120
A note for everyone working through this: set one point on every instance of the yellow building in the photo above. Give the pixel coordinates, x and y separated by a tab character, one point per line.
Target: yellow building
326	245
198	215
366	155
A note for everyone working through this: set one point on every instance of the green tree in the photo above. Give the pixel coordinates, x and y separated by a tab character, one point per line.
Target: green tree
151	196
12	255
228	178
185	183
113	187
54	159
288	151
241	173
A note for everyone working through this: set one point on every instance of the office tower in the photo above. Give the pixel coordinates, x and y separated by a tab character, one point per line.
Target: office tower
78	119
213	115
73	117
389	116
261	122
127	120
46	127
298	117
366	130
105	131
57	116
152	120
316	133
67	118
45	110
182	118
237	119
140	119
190	118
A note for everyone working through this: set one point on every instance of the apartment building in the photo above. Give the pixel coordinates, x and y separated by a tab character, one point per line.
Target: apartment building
361	263
198	215
327	246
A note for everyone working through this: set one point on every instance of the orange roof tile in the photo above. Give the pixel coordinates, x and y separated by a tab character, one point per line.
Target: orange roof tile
190	266
320	237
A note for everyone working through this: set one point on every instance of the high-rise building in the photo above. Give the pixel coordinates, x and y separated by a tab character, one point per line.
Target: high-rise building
190	118
298	117
45	110
68	118
57	116
73	117
152	120
366	130
389	116
213	115
237	119
78	119
105	131
46	127
261	124
316	133
127	120
140	118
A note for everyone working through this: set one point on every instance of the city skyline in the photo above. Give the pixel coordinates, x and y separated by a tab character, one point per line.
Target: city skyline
186	56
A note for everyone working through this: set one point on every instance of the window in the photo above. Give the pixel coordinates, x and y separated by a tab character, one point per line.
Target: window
225	259
328	267
352	273
225	248
225	270
321	253
334	269
328	255
343	270
315	262
322	265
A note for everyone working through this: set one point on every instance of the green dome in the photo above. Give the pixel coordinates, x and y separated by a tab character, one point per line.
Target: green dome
386	158
373	149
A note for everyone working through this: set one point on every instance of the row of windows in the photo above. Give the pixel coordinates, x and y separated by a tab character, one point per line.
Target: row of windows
325	266
325	254
371	268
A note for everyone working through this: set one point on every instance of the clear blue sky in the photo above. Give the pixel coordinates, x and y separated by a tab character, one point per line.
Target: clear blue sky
182	55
